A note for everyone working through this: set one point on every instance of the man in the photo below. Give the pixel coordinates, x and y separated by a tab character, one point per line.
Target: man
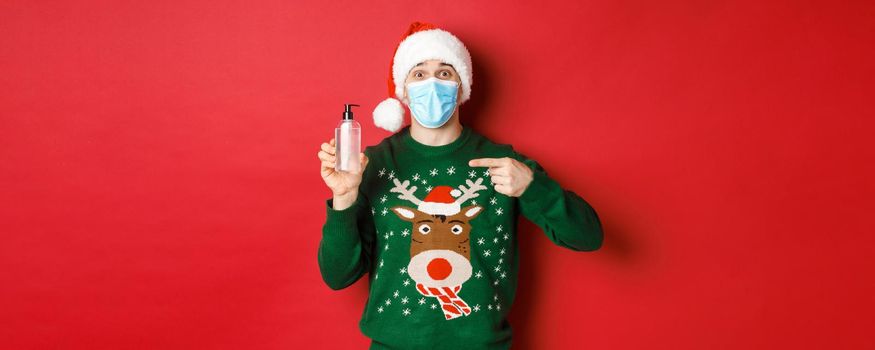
432	218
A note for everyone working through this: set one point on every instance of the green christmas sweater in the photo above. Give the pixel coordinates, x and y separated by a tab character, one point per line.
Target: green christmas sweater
439	244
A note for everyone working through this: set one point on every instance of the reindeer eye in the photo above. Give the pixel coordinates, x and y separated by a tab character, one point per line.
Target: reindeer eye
424	229
457	229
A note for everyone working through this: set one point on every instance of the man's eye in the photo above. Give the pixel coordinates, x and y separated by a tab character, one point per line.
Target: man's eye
417	74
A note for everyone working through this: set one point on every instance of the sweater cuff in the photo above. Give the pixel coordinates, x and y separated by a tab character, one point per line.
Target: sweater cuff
537	194
343	219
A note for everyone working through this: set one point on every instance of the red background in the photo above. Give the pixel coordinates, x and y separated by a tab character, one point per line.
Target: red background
160	186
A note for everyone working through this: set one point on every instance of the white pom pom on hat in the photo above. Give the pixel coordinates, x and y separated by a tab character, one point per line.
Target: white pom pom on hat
421	42
389	114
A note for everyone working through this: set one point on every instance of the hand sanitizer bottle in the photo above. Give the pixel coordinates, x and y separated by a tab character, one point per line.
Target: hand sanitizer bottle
347	138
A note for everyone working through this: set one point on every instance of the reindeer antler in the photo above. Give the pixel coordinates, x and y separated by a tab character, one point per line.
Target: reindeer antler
471	191
405	193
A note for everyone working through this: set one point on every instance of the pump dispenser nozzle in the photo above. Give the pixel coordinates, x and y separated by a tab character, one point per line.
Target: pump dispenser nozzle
347	114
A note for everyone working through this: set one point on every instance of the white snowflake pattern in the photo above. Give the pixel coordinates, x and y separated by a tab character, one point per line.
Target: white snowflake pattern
497	268
383	199
424	182
404	300
387	247
476	307
498	307
421	301
495	240
489	306
506	236
478	274
403	270
395	294
500	260
451	170
433	172
486	172
473	202
380	309
503	274
434	306
495	283
428	188
381	262
480	241
502	251
373	210
472	173
487	252
493	200
406	312
495	297
416	177
382	172
406	283
392	174
407	232
388	301
499	228
386	236
384	211
499	211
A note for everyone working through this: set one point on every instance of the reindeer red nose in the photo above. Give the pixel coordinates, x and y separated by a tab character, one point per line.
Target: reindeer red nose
439	268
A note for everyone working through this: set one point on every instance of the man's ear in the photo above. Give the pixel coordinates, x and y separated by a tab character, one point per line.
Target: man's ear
405	213
472	211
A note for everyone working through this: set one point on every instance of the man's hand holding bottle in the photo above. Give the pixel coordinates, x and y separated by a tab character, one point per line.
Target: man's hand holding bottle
344	185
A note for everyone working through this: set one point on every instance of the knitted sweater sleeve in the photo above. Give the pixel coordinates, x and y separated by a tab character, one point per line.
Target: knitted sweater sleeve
346	249
566	218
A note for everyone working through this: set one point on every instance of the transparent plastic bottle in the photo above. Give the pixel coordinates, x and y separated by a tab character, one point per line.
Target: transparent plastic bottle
347	142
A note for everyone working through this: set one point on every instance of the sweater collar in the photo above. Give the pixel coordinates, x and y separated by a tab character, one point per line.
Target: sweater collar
428	150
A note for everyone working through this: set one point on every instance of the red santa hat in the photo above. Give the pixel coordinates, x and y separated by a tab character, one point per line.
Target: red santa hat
441	200
421	42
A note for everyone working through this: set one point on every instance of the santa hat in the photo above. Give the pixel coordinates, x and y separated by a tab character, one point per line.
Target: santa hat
421	42
441	201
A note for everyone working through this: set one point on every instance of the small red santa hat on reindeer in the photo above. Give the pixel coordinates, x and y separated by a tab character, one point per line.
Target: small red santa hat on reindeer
421	42
441	201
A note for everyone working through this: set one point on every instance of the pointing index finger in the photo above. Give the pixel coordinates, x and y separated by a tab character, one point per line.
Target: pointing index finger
484	162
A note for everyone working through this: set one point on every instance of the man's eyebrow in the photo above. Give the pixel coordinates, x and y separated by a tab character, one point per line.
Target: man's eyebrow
442	64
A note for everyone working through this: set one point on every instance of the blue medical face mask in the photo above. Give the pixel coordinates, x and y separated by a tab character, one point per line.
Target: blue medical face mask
432	101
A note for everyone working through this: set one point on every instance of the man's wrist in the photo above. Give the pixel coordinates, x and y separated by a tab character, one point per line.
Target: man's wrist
343	201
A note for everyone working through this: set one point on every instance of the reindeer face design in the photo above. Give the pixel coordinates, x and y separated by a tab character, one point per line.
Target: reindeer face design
440	245
437	231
